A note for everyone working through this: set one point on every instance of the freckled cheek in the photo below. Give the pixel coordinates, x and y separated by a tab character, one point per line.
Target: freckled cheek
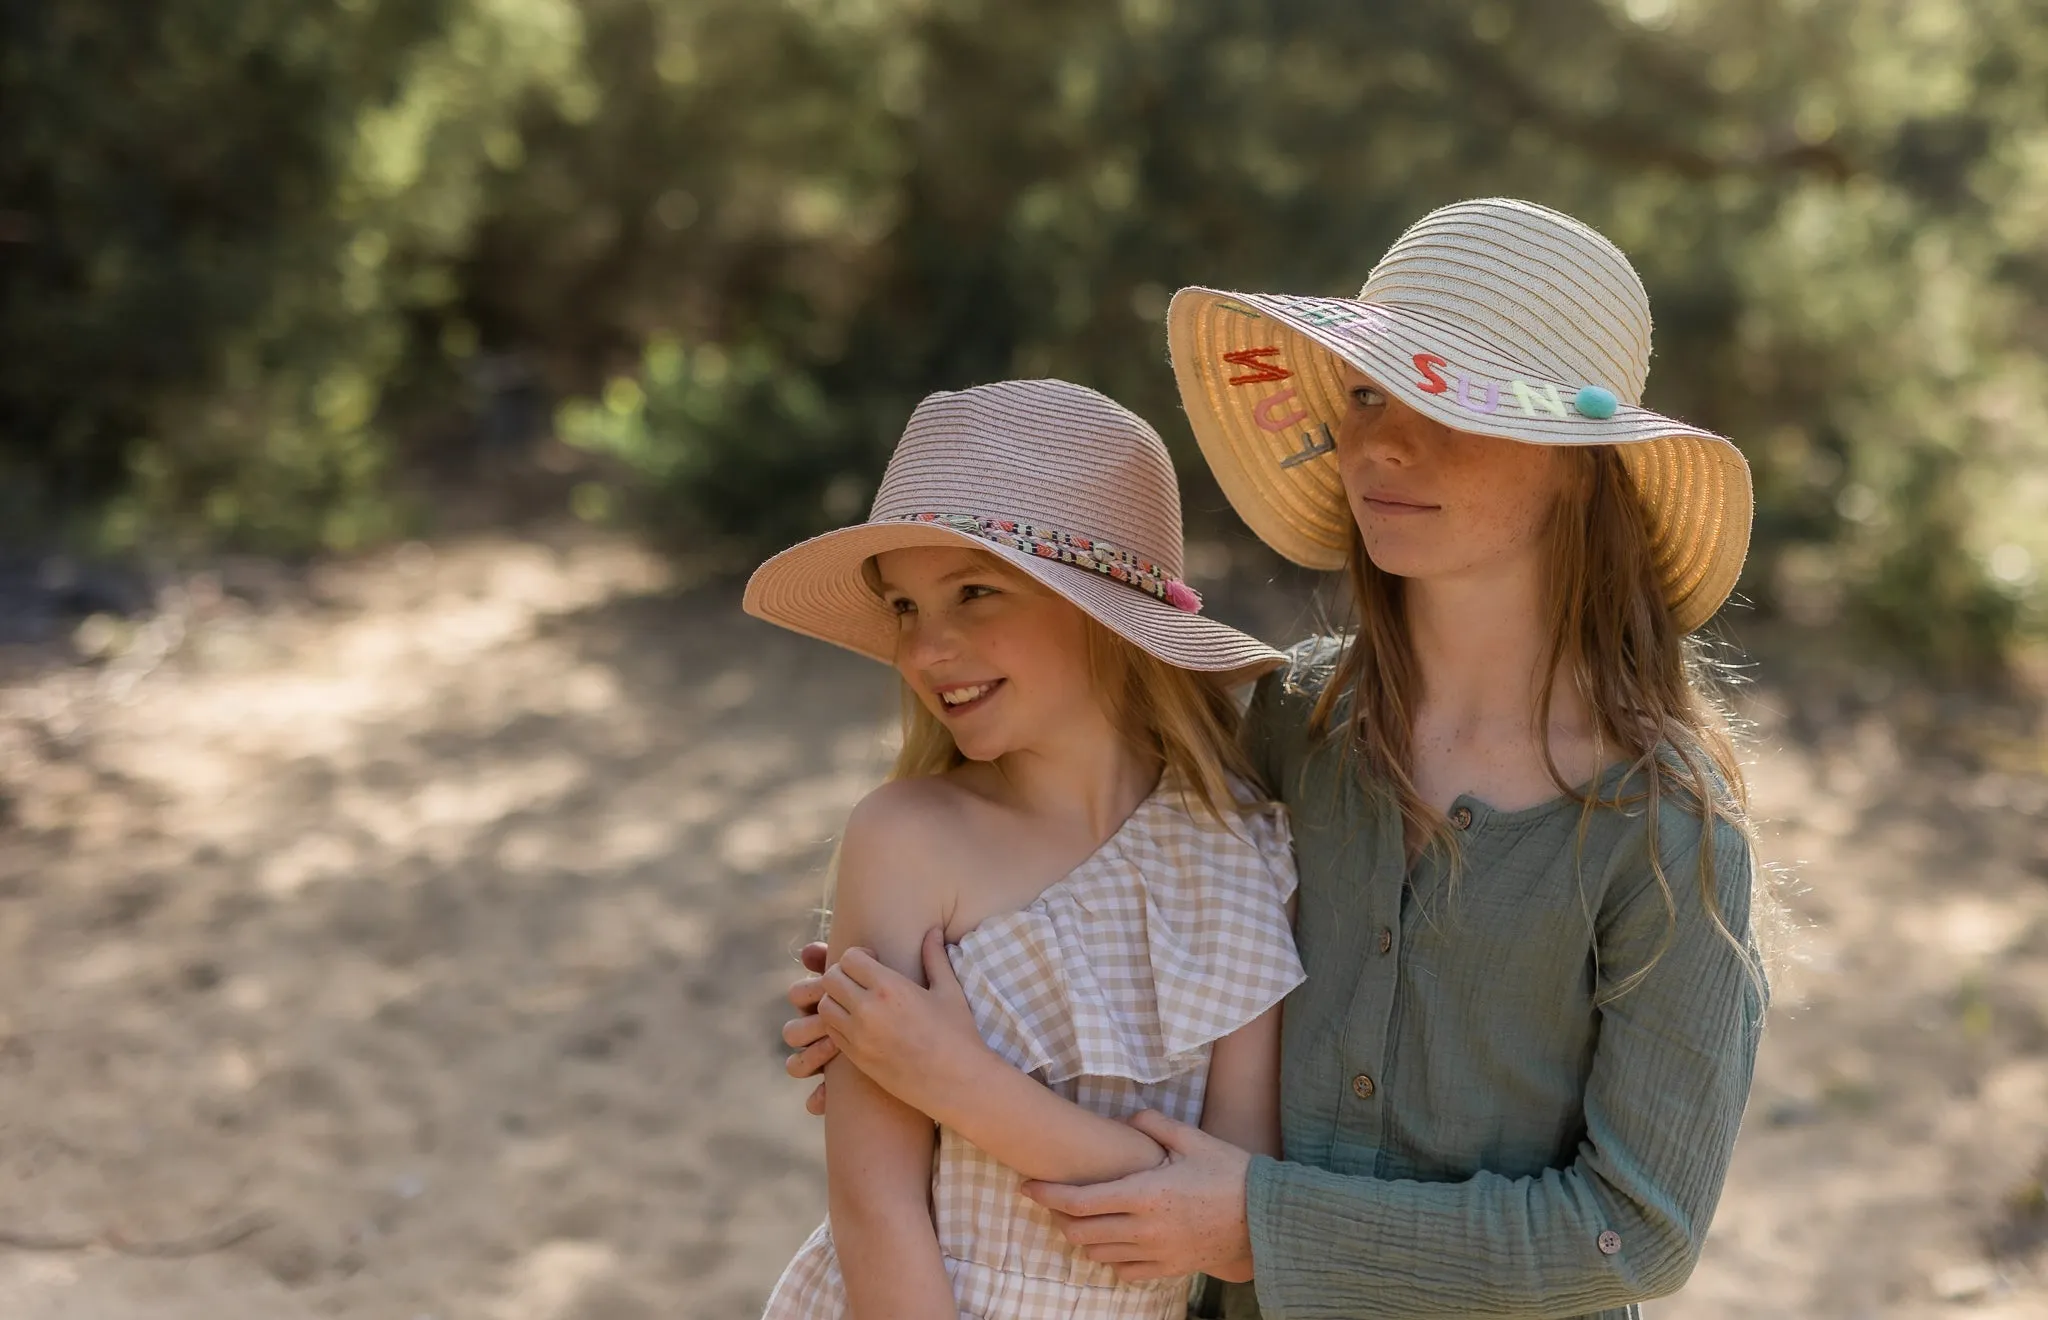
1352	470
1510	515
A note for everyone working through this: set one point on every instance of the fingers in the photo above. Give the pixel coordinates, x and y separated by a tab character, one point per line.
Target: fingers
938	968
1105	1231
813	957
803	995
833	1013
811	1060
815	1101
1146	1271
799	1032
1178	1138
840	984
860	967
1093	1200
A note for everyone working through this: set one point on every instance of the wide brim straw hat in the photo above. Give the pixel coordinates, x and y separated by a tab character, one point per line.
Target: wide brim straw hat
1495	317
1054	479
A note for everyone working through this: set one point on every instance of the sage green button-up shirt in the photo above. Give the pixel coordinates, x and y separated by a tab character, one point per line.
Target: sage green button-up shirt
1469	1130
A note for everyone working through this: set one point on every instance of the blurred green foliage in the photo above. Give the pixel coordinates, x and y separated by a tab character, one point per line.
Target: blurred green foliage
247	247
225	224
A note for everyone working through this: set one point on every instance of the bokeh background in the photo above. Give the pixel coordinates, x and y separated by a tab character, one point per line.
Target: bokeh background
402	835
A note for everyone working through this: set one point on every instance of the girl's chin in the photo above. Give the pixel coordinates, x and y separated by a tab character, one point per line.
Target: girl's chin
1399	560
1405	557
983	748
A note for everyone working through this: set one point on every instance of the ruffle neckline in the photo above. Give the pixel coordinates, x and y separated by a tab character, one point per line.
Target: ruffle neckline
1171	935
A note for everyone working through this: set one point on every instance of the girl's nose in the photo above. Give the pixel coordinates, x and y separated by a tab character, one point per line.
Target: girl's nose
1396	439
926	643
1391	438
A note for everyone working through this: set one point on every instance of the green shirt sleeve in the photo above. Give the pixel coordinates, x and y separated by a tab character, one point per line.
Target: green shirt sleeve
1622	1223
1276	723
1264	729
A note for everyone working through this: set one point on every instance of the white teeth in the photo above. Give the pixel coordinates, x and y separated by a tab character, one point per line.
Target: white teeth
962	696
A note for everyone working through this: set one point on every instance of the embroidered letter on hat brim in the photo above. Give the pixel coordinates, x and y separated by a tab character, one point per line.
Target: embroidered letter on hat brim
1430	329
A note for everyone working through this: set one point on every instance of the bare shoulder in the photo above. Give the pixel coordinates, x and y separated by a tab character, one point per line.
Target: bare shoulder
905	820
898	861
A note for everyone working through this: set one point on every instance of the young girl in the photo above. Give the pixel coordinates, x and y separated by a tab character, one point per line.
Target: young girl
1512	1081
1072	812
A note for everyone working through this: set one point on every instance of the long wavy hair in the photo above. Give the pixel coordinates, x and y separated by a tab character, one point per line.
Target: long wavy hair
1185	721
1654	692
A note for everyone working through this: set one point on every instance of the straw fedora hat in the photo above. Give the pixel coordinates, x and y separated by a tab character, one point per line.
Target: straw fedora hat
1495	317
1054	479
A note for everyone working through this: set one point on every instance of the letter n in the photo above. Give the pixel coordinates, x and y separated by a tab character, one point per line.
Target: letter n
1548	400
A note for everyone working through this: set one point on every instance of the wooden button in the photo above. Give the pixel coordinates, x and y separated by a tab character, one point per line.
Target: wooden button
1462	817
1362	1087
1609	1242
1386	940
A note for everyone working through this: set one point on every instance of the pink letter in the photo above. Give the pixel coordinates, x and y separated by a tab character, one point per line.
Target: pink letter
1262	411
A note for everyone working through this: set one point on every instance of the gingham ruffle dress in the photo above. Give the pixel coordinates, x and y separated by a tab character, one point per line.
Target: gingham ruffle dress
1109	987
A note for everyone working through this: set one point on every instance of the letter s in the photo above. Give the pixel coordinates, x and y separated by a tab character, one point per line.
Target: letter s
1431	383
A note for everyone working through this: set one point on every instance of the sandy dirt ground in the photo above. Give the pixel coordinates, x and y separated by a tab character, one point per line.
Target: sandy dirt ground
402	940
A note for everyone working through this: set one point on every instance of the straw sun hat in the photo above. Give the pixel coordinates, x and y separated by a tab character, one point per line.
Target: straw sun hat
1051	478
1495	317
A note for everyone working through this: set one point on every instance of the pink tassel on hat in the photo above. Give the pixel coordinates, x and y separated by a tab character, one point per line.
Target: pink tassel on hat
1182	596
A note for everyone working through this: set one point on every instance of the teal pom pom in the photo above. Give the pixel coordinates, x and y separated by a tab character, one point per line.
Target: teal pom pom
1594	402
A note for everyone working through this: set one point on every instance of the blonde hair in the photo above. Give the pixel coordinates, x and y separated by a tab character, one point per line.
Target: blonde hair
1187	721
1651	689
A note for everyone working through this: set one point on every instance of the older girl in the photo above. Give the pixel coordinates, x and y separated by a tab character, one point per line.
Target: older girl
1513	1079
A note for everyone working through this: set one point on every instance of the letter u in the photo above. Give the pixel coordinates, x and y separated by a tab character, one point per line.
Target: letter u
1492	396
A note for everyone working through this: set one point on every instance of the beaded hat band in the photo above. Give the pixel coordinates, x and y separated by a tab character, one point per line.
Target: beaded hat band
1091	553
1054	480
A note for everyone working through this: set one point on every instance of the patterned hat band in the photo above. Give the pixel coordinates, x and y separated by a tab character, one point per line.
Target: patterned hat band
1091	553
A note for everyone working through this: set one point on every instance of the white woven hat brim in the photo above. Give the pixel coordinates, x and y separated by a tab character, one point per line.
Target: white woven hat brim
1264	434
817	588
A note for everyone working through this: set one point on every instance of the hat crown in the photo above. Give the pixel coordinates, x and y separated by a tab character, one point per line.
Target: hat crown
1041	451
1537	282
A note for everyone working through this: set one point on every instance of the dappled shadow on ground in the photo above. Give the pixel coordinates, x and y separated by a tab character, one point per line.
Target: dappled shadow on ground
439	912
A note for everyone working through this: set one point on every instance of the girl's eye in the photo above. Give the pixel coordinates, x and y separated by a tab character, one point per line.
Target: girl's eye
974	591
1368	397
901	606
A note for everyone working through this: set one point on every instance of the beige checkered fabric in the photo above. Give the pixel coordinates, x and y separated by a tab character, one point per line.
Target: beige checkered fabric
1109	987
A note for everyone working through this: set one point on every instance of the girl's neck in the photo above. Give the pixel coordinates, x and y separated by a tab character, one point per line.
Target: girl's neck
1087	778
1482	653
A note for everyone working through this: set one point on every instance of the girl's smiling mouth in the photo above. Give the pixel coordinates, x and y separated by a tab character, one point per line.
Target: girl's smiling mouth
959	698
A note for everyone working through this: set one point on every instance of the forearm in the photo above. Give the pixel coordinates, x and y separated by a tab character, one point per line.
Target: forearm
888	1254
1243	1103
1013	1117
878	1160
